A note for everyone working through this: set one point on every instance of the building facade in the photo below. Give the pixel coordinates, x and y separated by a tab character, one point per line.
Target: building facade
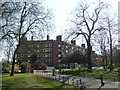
49	52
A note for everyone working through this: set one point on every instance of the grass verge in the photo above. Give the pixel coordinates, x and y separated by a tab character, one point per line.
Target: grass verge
30	81
83	72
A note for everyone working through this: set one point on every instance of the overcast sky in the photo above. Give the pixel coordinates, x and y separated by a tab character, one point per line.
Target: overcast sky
62	9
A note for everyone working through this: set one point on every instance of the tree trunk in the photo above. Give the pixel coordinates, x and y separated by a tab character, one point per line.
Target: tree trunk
13	63
89	49
111	51
106	60
103	59
111	58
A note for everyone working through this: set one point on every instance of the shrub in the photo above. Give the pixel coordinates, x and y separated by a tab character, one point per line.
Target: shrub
24	67
6	68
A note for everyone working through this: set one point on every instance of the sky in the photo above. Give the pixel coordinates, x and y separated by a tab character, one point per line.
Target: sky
62	9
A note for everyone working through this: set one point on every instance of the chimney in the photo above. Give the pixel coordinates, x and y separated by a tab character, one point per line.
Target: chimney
59	38
48	37
73	42
83	45
31	38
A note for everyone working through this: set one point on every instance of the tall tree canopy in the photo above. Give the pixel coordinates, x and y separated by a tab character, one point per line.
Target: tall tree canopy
20	19
85	22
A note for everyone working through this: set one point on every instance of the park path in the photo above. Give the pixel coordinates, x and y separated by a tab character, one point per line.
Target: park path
80	82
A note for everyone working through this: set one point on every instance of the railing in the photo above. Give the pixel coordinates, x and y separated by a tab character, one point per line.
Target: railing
77	81
62	78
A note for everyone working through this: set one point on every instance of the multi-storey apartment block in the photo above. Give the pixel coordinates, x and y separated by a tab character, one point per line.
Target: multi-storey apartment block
49	52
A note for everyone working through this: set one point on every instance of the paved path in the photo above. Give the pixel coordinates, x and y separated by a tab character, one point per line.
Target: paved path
81	81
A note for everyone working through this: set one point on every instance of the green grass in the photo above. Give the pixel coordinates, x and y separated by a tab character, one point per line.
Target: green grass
31	81
83	72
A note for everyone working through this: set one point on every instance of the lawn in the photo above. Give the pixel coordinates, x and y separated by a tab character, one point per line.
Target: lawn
30	81
83	72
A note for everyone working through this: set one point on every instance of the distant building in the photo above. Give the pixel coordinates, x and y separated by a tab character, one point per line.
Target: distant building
49	52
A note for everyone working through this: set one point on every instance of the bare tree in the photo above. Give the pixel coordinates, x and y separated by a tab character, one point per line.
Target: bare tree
101	40
8	49
6	14
85	23
111	30
28	17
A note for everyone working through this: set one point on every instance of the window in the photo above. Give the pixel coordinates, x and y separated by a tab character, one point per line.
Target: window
59	61
59	50
59	55
50	60
71	51
49	55
31	45
66	46
46	45
38	55
59	45
37	45
49	45
45	60
28	45
38	51
66	51
63	55
28	50
34	51
28	55
46	50
49	50
46	55
80	49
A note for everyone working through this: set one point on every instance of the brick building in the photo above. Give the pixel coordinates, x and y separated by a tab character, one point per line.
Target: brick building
49	52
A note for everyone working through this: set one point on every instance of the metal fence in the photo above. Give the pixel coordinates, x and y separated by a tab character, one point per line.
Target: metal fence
77	81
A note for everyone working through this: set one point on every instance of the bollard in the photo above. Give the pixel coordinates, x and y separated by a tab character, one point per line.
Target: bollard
63	79
53	72
46	75
49	75
68	79
55	77
77	83
59	77
72	81
42	73
82	86
102	83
